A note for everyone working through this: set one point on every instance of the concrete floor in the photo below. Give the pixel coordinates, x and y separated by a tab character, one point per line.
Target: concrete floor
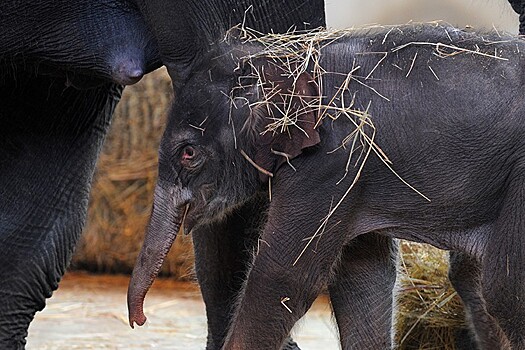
89	312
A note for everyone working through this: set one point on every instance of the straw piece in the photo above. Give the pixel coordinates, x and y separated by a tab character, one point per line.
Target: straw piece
430	314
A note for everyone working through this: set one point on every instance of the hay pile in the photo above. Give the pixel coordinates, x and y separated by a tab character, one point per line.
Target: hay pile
429	312
122	191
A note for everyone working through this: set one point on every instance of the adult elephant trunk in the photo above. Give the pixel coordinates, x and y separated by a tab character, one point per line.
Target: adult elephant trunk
161	232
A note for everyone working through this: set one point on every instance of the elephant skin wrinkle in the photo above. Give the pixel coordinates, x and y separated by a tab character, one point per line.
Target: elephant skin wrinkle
62	64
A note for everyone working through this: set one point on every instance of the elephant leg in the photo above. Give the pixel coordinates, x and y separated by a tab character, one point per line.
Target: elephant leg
51	137
493	286
519	7
223	252
465	277
286	277
503	259
503	289
361	292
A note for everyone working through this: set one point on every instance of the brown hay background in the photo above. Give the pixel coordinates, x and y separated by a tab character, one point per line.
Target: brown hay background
121	201
429	314
122	191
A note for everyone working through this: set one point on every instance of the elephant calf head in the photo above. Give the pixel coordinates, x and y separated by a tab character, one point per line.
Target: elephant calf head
236	120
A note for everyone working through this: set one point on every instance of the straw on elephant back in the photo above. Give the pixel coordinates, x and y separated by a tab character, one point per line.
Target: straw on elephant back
429	312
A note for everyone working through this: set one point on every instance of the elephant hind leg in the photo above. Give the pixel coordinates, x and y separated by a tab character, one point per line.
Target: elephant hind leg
503	261
503	289
465	276
493	286
361	292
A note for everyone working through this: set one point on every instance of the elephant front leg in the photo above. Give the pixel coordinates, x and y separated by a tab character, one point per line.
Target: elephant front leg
48	150
223	252
284	281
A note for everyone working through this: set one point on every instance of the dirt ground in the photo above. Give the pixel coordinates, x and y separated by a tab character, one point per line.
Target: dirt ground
89	312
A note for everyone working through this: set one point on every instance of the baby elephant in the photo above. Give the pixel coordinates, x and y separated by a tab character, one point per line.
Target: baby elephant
413	132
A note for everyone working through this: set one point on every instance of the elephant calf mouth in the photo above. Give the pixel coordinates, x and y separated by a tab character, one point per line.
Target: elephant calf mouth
188	222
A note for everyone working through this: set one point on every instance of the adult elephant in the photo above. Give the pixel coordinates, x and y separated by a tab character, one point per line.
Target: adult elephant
62	67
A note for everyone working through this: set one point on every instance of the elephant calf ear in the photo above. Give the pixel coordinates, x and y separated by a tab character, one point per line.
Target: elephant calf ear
277	145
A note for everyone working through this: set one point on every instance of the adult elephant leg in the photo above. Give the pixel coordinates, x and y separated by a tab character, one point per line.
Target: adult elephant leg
223	253
50	138
362	292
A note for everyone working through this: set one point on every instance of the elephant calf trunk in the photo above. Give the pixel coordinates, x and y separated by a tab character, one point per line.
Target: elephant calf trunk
142	278
160	235
135	307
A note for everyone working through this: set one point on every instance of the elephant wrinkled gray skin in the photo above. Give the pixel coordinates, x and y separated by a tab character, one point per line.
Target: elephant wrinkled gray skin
61	66
519	7
184	31
448	117
98	41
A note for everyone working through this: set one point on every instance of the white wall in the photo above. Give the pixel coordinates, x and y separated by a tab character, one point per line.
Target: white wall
476	13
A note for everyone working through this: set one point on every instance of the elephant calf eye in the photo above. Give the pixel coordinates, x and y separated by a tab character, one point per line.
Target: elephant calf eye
190	157
188	153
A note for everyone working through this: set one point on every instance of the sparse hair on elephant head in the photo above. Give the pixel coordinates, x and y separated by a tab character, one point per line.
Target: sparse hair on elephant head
236	121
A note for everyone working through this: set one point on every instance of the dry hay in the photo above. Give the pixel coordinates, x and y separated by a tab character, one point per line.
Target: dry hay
299	52
429	312
294	54
122	192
